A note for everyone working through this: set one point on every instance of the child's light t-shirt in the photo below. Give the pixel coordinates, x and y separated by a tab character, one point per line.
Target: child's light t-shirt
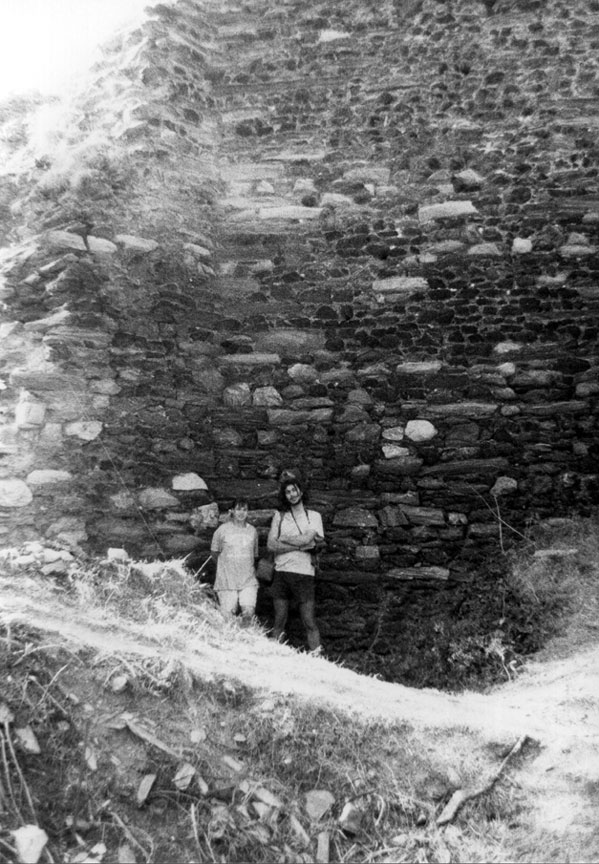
237	547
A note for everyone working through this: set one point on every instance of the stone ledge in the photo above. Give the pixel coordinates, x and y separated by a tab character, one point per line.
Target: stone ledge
418	574
498	465
135	244
62	240
291	212
425	367
46	380
404	285
355	517
284	417
257	359
423	515
400	465
554	409
291	158
461	409
48	477
255	490
484	250
447	210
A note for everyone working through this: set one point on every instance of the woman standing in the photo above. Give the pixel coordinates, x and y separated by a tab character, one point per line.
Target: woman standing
293	537
235	548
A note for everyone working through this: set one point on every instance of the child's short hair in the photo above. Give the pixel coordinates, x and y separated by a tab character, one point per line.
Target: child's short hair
241	502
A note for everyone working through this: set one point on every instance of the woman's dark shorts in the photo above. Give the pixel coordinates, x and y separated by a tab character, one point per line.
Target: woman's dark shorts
292	586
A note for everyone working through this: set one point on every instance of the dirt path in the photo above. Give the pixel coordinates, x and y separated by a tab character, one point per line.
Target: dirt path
555	702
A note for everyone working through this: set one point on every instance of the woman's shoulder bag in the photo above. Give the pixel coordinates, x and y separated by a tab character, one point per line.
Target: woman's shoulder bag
265	570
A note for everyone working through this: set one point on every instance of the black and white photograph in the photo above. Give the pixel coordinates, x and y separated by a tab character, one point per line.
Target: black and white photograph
299	431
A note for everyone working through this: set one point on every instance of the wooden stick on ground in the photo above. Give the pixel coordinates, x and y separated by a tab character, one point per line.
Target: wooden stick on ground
129	834
460	796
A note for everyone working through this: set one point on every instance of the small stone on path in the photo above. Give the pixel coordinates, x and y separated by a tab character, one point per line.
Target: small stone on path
318	803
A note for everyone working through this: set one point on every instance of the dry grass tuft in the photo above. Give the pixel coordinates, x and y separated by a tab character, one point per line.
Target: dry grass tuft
556	587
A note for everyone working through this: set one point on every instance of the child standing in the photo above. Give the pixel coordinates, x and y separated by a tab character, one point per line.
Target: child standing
235	548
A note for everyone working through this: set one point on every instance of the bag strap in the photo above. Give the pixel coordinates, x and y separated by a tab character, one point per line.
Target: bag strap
299	530
270	555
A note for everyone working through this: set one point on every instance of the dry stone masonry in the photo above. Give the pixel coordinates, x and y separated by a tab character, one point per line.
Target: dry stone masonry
355	239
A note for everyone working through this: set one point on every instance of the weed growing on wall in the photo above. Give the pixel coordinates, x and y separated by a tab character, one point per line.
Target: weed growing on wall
479	634
554	590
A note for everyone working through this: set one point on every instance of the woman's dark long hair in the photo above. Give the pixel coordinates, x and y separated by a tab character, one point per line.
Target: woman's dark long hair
283	502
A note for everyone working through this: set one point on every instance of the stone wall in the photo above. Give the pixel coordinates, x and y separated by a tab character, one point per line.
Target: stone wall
359	240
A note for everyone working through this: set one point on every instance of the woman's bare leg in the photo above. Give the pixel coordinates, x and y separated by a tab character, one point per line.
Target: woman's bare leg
307	613
281	612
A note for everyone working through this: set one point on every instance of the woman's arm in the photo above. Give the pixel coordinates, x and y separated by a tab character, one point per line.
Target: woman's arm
318	540
286	543
216	546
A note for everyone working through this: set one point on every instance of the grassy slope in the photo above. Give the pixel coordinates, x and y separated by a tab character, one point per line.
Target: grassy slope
212	693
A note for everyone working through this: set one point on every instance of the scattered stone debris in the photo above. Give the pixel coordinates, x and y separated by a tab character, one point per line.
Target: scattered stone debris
184	776
144	789
350	820
544	554
27	739
119	683
30	842
318	803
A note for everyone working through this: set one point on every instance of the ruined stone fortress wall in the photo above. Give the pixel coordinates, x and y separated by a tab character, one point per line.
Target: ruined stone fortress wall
360	239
